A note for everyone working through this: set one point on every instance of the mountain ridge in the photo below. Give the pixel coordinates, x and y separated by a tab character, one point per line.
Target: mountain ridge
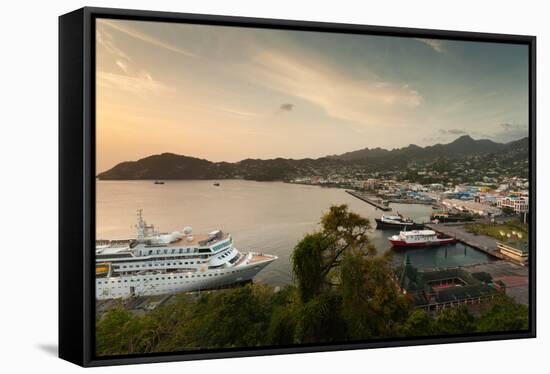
169	165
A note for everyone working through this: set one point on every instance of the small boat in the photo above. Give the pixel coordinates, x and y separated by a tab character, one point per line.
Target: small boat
419	238
398	222
216	184
159	182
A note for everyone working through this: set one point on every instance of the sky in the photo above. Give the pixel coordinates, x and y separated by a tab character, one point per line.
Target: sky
230	93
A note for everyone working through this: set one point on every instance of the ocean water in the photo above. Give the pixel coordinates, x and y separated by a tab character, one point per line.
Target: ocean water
269	217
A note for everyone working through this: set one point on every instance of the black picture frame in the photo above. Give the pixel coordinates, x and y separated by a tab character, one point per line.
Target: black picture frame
77	175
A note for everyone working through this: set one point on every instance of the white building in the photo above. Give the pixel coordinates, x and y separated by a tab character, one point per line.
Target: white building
472	207
519	204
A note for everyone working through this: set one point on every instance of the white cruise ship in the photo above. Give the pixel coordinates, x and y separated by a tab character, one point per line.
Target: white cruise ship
158	263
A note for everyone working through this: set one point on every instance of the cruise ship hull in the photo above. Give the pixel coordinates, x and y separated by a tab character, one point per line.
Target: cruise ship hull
125	286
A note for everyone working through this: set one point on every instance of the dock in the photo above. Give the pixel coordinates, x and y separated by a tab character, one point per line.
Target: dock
410	201
482	243
370	200
137	305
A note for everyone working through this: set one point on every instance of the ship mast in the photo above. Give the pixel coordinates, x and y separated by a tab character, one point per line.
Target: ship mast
144	231
141	226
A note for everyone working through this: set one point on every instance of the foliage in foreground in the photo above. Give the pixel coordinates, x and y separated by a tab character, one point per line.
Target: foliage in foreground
343	291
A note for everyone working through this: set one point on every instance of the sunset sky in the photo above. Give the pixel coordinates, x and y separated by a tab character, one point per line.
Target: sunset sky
227	93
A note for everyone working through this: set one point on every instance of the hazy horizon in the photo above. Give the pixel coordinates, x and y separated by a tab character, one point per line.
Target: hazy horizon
228	93
294	158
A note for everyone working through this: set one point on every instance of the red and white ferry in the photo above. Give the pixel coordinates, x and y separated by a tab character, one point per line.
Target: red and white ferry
419	238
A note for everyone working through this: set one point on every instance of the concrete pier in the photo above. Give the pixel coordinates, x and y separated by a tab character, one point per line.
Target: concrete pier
483	243
370	200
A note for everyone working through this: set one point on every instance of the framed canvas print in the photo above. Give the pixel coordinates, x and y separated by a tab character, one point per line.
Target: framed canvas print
236	186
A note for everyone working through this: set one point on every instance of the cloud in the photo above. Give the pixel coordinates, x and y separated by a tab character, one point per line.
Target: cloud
443	136
286	107
126	74
452	132
105	40
142	83
337	92
435	44
510	131
232	111
509	126
144	37
122	65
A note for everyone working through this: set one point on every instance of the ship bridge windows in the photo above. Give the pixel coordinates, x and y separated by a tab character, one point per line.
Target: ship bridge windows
205	250
221	245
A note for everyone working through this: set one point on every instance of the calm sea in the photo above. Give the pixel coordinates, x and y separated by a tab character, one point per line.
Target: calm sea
268	217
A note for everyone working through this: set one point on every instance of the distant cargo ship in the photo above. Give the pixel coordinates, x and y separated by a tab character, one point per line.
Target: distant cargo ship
398	222
155	263
159	182
419	238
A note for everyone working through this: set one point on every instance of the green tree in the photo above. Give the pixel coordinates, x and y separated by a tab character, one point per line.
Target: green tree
454	321
371	303
505	315
507	210
308	262
318	254
319	320
418	323
233	318
118	332
166	324
282	325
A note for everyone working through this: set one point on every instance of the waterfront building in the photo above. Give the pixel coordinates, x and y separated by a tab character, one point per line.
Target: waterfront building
433	290
472	207
515	250
371	184
520	204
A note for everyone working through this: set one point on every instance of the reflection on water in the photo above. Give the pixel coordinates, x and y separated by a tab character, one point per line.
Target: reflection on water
268	217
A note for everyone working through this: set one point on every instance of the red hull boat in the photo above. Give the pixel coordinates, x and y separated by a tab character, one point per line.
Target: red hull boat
419	238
